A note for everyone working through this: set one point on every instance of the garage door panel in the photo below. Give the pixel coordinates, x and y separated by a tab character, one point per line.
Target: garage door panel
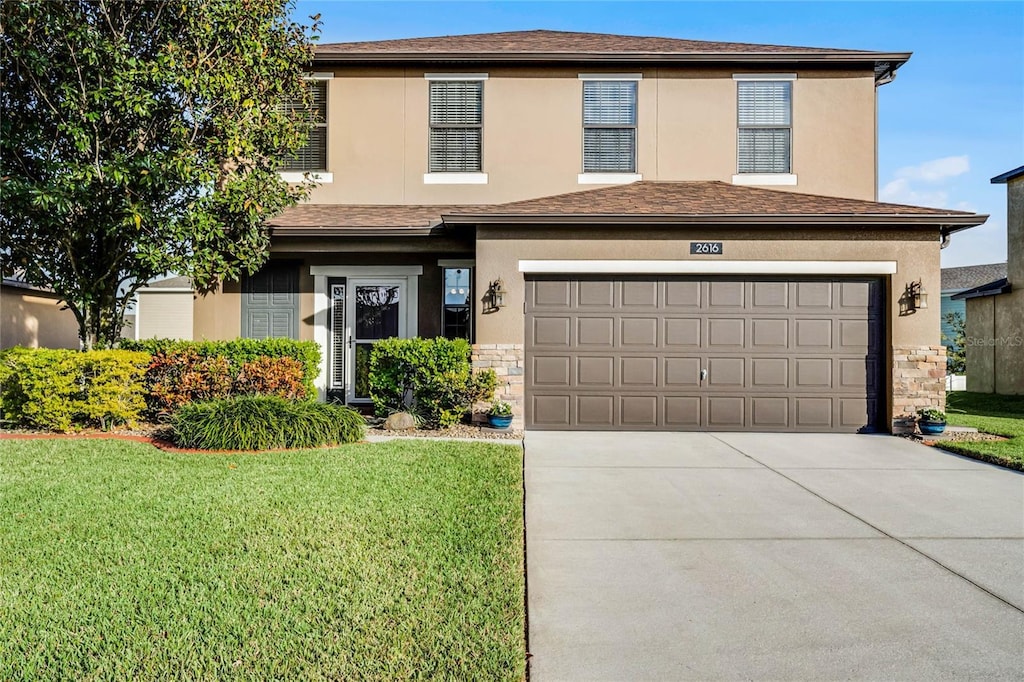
640	294
780	355
595	332
683	295
595	371
551	332
726	295
769	296
596	294
551	370
770	413
639	372
595	410
639	411
726	332
682	332
682	412
726	412
639	332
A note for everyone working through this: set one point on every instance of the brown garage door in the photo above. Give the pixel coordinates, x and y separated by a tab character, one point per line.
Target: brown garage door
677	353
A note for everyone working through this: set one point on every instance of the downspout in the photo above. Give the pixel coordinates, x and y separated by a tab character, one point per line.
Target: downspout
946	237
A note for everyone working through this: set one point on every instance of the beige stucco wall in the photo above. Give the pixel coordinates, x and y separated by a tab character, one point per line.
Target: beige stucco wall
164	315
1015	232
35	320
378	128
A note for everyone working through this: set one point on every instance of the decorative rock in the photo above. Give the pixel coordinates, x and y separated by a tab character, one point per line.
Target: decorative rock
399	421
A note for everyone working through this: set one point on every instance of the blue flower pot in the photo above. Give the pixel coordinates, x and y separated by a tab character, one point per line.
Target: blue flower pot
499	422
931	428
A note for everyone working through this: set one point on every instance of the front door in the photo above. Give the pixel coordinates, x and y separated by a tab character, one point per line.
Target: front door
376	310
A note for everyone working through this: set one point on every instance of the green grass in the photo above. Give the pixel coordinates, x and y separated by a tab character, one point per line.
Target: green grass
999	414
399	560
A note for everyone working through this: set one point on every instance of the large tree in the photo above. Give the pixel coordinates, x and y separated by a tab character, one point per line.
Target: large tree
140	137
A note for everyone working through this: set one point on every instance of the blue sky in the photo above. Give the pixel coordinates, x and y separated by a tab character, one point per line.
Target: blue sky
953	118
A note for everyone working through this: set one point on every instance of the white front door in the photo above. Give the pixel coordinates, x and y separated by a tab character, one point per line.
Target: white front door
376	309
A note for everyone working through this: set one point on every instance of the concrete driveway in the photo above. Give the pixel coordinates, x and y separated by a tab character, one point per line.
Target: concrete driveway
770	556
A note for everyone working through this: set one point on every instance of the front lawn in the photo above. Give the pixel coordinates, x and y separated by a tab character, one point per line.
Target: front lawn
374	561
999	414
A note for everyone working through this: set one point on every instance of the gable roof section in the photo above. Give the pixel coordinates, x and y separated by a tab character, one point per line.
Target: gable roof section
708	202
569	46
970	276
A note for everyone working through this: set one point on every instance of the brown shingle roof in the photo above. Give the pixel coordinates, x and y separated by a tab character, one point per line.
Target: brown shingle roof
565	42
356	217
703	198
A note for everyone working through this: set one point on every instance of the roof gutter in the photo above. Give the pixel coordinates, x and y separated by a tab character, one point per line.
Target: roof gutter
335	231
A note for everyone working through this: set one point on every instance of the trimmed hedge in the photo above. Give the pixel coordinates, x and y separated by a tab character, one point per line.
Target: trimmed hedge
265	423
61	389
436	374
183	372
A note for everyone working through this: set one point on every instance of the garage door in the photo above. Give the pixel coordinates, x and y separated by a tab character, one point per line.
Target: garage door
677	354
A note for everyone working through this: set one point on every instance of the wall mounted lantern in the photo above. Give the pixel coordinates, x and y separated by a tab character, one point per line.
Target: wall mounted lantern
496	294
918	296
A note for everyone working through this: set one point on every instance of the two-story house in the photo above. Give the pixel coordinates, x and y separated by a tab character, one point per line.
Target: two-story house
637	233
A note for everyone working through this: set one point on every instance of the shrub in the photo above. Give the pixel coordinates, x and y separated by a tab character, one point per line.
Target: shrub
930	414
192	371
240	351
432	376
61	389
265	423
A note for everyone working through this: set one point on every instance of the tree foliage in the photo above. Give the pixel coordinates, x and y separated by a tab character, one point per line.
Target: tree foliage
956	345
140	137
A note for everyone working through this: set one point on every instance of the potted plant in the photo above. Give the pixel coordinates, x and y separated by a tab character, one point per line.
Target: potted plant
500	415
931	421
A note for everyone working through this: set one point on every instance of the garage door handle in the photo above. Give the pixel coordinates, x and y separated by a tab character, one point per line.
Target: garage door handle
703	374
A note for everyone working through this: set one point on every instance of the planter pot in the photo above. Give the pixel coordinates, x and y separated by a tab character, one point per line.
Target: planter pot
931	428
497	422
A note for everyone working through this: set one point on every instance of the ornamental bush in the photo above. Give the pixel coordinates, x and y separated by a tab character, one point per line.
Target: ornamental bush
265	423
183	372
433	378
63	389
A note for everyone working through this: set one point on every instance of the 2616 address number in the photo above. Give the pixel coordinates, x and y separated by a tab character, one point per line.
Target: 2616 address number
706	248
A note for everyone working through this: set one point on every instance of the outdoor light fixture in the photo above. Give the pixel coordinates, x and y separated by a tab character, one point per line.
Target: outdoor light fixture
918	296
496	294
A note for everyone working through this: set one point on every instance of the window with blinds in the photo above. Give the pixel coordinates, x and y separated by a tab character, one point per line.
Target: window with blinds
456	126
313	155
765	126
609	126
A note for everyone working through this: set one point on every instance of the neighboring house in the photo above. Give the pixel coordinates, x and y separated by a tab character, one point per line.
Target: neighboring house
164	310
956	280
995	309
34	318
636	233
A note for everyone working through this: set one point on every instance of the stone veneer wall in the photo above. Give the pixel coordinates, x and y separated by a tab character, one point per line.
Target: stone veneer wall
507	360
918	379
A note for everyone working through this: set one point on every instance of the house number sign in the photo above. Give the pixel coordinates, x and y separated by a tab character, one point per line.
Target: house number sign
706	248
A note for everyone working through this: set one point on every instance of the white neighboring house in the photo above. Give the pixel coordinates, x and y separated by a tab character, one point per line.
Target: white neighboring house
163	309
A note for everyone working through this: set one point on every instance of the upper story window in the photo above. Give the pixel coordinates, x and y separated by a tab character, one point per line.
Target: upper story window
313	155
609	126
456	126
764	135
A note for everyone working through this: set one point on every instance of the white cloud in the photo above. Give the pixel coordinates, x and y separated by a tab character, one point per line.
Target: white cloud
936	170
905	187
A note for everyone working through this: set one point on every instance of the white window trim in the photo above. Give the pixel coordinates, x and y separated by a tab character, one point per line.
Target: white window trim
455	76
764	179
322	303
611	76
608	178
732	267
764	76
319	76
300	176
455	178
